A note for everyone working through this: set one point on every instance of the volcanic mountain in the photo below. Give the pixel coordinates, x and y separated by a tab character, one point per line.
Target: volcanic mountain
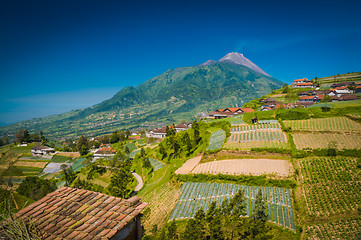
177	94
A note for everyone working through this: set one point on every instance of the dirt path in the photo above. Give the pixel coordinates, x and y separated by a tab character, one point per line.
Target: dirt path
140	182
189	165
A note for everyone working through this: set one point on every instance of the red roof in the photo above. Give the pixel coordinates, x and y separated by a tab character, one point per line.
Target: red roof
246	110
233	109
71	213
304	84
106	150
301	80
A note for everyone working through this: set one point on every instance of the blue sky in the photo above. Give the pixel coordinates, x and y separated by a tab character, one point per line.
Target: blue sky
60	55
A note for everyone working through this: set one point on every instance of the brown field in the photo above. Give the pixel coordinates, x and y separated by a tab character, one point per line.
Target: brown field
69	154
321	140
188	166
38	164
245	166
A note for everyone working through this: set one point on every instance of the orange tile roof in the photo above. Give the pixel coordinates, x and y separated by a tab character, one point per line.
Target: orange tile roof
70	213
219	110
300	80
233	109
246	110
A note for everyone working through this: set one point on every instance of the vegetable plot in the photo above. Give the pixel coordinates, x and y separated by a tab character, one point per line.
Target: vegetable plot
268	134
156	164
196	195
217	140
336	124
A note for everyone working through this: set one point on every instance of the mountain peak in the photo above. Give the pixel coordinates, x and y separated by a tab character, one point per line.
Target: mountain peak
238	58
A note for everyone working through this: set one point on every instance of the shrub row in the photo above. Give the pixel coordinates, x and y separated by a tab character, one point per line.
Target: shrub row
262	180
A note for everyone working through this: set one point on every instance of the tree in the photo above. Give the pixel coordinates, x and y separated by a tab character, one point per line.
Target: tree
332	148
82	145
260	208
126	150
67	174
26	136
35	137
119	183
172	231
327	98
170	131
186	141
19	136
35	188
115	137
42	137
195	127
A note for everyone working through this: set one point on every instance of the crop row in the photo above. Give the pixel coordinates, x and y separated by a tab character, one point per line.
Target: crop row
325	124
342	229
200	195
258	144
331	185
322	140
258	136
317	170
217	140
256	127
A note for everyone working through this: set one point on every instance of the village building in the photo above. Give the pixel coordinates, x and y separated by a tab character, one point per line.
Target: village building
342	84
39	151
161	133
104	152
358	89
313	98
70	213
157	133
347	97
342	90
303	83
228	112
182	127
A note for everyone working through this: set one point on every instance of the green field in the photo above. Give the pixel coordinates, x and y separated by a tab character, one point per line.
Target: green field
131	146
60	159
336	124
331	185
196	195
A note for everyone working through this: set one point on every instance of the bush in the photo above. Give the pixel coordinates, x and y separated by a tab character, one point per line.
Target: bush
239	179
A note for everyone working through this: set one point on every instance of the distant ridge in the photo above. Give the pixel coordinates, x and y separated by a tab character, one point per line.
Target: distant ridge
239	59
175	95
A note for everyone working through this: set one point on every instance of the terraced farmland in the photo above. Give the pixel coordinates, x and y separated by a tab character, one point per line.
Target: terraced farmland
331	186
200	195
321	140
244	166
337	124
266	134
217	140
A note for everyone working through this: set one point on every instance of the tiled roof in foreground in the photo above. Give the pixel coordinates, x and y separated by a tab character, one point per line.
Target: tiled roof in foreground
70	213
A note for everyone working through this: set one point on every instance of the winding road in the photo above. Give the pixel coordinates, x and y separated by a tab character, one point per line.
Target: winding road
140	182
